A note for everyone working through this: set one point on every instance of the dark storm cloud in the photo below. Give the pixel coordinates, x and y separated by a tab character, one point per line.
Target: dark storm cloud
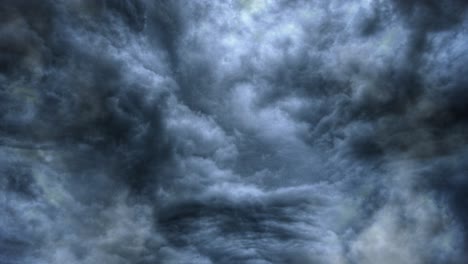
264	228
432	15
83	97
369	107
81	139
242	131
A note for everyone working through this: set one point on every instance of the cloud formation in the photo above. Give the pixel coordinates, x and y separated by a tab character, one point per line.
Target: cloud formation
243	131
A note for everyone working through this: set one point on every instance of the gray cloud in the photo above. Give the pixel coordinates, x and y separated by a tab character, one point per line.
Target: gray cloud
242	131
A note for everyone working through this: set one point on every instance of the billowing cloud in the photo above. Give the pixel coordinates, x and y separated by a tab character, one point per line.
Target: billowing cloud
240	131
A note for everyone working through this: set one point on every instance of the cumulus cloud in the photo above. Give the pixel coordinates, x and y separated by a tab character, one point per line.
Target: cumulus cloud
241	131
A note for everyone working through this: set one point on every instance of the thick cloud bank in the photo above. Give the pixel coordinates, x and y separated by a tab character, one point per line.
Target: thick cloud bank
238	131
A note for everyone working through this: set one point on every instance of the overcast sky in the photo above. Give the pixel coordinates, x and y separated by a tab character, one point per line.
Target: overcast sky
233	131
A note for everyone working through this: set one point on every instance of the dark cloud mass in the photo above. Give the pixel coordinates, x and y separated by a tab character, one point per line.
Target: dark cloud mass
240	131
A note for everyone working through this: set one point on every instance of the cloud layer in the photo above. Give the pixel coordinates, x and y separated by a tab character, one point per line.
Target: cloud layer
243	131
